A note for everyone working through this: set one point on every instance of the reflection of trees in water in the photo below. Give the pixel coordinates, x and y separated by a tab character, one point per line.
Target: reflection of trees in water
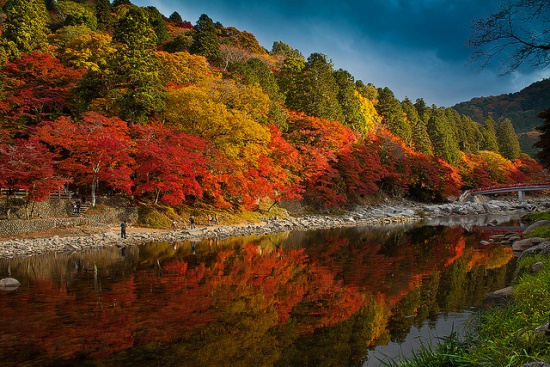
254	302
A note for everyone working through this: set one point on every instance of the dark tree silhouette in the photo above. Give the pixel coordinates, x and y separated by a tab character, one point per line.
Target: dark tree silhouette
544	139
519	32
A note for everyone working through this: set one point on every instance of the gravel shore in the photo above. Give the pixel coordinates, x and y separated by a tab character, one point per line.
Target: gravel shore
394	213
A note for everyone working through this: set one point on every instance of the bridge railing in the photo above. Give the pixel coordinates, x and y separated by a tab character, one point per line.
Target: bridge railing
512	186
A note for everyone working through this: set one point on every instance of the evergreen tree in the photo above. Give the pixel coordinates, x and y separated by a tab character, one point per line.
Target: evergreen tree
264	77
289	74
103	14
205	40
181	43
255	71
489	132
26	27
281	48
422	109
508	143
420	139
156	19
175	17
316	92
469	135
135	81
349	100
543	144
121	2
393	118
444	144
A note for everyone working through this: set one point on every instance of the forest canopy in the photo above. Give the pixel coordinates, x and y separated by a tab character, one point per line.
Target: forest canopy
122	97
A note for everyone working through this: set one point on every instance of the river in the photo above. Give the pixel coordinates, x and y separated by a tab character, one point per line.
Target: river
340	297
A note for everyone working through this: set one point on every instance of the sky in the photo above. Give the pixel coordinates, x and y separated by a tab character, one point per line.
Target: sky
417	48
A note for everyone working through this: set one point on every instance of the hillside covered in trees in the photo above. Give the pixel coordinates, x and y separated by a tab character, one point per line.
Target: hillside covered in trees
103	96
522	108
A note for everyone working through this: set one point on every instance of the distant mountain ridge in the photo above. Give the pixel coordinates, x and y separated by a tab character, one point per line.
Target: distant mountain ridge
521	107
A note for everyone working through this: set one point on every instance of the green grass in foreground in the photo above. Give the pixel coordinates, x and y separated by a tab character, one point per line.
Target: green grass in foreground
502	336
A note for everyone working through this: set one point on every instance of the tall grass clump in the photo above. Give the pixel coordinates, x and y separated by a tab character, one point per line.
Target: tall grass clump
448	353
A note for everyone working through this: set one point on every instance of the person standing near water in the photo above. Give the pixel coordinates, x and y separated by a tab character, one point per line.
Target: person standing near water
123	226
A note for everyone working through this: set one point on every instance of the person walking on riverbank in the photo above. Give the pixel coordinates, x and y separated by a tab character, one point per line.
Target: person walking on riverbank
192	221
123	226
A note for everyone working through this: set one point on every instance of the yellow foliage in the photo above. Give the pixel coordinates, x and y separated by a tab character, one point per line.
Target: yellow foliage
498	166
90	51
372	118
182	68
249	99
193	110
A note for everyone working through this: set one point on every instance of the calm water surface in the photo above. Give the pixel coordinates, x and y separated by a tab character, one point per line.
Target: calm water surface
345	297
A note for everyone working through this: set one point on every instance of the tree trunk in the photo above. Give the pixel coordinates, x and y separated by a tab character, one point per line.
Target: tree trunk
94	187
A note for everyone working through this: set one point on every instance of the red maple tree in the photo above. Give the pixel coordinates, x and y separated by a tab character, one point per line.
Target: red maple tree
95	149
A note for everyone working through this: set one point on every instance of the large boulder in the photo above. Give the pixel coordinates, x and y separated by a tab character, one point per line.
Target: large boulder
9	283
535	225
523	245
540	249
501	293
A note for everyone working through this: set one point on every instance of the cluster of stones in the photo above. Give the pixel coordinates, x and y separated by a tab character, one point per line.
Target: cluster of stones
522	243
396	214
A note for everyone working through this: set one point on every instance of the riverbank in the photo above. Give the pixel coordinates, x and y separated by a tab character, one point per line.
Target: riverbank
81	238
517	333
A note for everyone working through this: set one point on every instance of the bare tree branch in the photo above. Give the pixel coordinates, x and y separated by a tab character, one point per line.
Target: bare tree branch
519	33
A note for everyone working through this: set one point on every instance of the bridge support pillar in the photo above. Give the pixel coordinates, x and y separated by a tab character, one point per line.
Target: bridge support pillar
521	196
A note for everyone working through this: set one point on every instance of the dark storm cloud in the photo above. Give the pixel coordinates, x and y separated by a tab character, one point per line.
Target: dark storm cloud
417	48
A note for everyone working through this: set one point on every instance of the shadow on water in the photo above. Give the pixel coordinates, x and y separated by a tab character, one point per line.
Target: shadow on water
333	297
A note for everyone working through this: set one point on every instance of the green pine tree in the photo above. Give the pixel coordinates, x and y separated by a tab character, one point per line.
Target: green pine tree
205	40
156	19
175	17
349	101
289	74
469	135
315	91
135	81
281	48
508	143
393	117
443	141
420	139
489	132
103	14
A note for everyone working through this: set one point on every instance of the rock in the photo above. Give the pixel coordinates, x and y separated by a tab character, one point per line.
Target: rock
501	293
535	225
542	249
9	283
523	245
536	267
536	364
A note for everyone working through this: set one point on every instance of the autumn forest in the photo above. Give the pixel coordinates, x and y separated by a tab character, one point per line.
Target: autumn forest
101	95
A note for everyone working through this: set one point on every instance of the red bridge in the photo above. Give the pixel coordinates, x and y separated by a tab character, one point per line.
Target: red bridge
520	188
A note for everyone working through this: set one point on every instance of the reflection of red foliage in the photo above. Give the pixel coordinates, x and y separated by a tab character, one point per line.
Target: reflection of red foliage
315	290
